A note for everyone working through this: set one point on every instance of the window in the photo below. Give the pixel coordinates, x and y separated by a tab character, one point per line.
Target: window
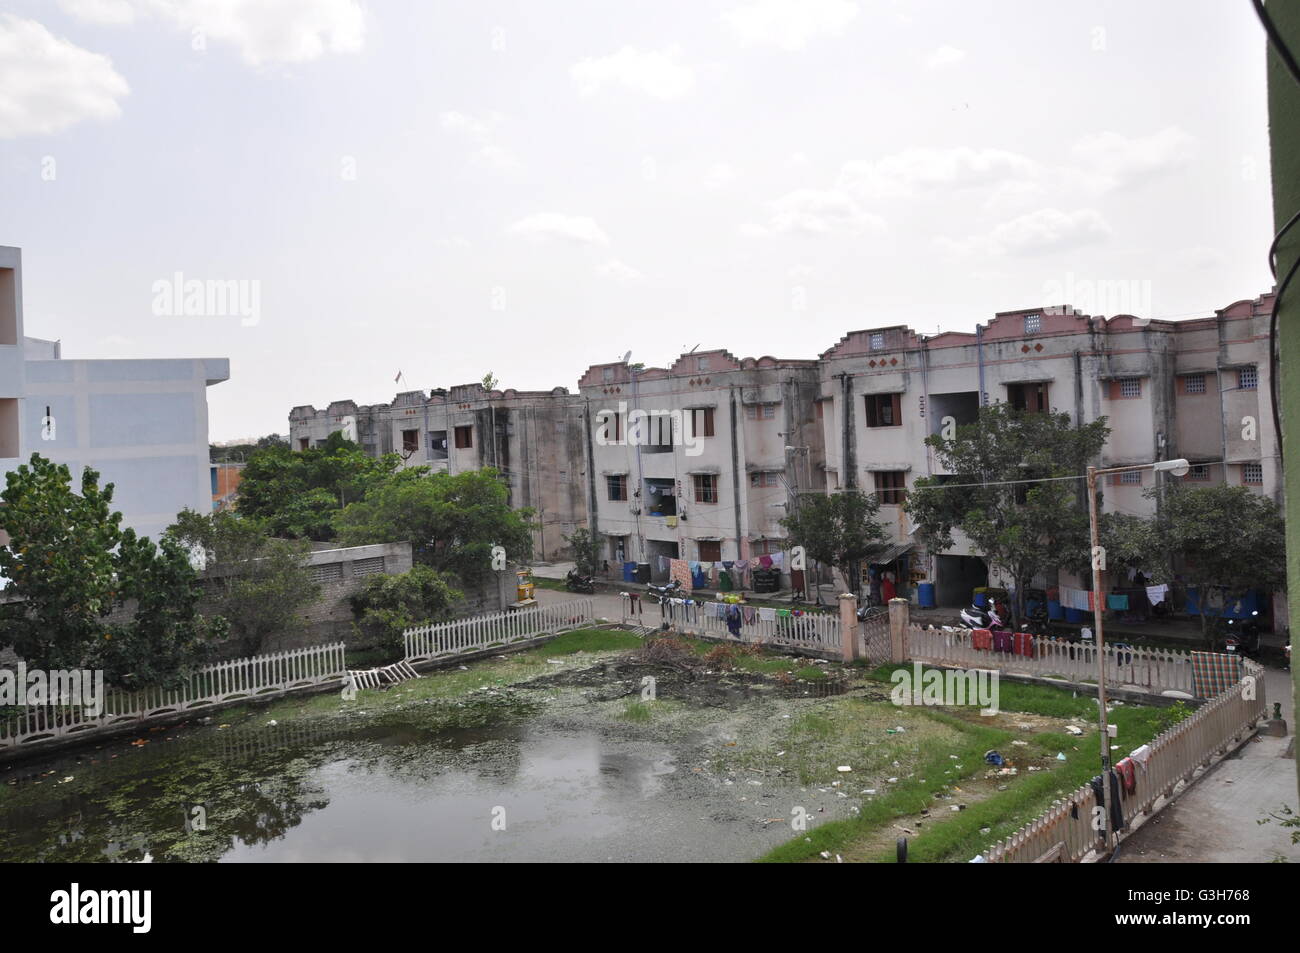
1252	474
884	410
328	572
1247	378
464	437
1131	478
764	547
438	444
410	441
1033	323
368	567
658	436
765	411
767	478
702	363
1126	388
702	422
706	488
607	374
710	550
877	341
1198	473
1193	383
769	411
617	487
1028	397
304	443
891	486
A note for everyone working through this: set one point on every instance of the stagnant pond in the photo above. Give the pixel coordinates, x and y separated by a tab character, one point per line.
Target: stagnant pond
530	781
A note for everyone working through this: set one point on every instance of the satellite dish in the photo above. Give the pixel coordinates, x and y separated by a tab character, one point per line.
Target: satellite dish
626	356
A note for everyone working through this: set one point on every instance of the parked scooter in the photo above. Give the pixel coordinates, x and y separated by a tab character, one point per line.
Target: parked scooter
1243	638
575	581
662	594
983	617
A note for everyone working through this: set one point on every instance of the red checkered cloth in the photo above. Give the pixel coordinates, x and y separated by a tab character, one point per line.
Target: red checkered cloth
1214	672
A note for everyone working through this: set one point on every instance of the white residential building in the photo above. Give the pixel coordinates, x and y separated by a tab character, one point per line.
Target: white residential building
143	424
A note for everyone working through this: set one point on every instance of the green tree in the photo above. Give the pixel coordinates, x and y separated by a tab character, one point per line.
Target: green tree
388	605
69	563
586	552
1019	526
1225	536
257	583
838	529
453	522
298	493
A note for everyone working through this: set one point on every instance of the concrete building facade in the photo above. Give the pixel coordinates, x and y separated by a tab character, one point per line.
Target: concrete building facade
535	438
143	424
1196	389
701	460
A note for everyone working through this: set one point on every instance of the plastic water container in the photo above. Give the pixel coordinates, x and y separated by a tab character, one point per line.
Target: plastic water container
629	572
1055	611
925	595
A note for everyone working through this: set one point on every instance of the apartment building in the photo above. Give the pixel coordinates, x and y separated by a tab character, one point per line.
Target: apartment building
143	424
535	438
700	460
1196	389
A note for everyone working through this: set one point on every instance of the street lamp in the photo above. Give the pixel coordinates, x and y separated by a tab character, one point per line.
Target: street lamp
1177	468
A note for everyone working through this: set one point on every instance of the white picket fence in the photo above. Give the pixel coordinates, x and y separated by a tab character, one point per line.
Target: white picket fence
425	642
1153	670
813	631
260	675
1066	832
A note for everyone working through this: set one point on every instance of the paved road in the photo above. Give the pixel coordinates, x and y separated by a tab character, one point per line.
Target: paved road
1215	820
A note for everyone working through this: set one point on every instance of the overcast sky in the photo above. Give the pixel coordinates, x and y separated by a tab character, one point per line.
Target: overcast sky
532	187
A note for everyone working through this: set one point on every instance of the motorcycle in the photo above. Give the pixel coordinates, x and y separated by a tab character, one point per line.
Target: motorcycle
577	582
983	617
662	594
1243	638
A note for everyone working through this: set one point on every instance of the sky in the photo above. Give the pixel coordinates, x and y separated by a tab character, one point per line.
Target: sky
528	188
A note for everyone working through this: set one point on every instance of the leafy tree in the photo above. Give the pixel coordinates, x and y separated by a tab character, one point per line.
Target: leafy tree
1017	525
257	583
1225	535
390	604
1131	542
452	521
69	563
586	552
838	529
298	493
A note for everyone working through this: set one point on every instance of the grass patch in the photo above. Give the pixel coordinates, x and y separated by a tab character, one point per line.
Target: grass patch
962	835
636	711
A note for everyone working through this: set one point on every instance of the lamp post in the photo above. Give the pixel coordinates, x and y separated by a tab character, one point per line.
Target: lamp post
1177	468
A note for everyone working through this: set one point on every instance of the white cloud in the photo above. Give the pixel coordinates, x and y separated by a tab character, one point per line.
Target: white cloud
616	270
48	83
821	212
114	12
1046	230
287	31
658	74
481	131
720	176
914	171
789	24
1114	161
944	57
552	225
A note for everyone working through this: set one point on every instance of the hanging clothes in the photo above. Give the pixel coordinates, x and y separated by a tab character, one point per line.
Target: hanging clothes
733	620
1157	594
1117	601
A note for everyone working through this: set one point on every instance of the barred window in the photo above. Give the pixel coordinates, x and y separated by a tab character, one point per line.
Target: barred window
1033	323
878	341
1248	378
1130	387
329	572
1194	384
1131	477
368	567
1252	474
